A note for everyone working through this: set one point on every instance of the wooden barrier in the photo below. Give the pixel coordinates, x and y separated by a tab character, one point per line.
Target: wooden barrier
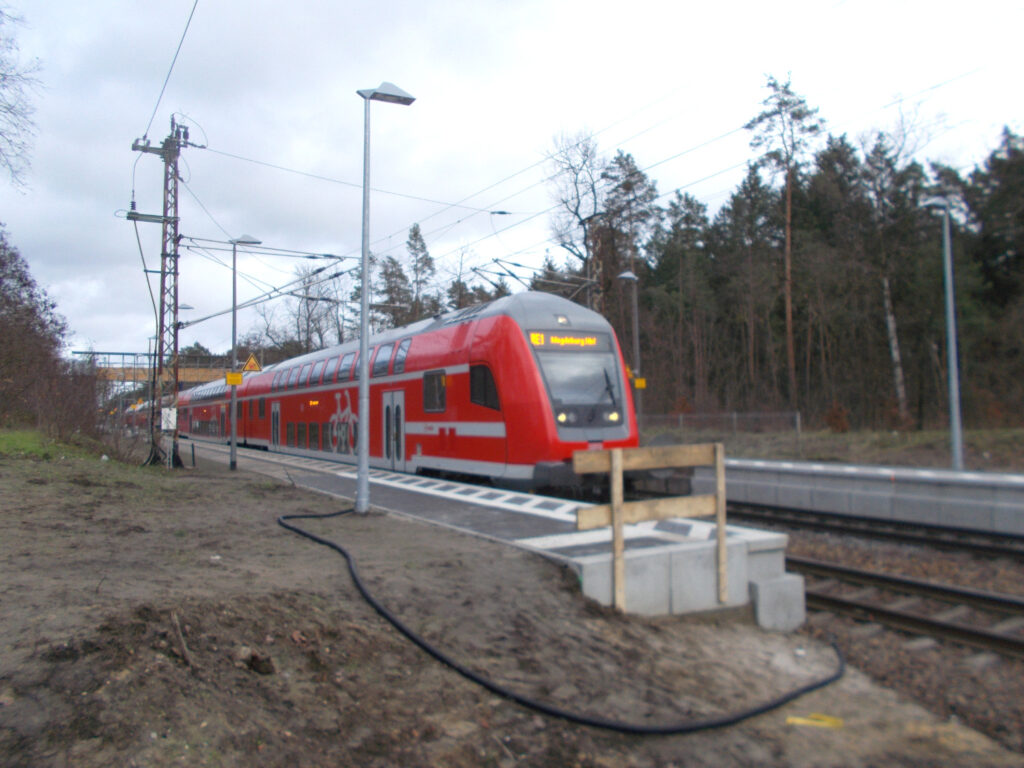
620	513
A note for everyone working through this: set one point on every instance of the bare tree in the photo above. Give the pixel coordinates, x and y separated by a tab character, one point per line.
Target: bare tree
17	81
577	170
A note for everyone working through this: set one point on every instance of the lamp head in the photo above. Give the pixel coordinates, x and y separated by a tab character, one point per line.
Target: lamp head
388	92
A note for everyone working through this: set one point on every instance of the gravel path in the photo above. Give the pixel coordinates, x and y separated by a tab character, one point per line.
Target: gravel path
982	690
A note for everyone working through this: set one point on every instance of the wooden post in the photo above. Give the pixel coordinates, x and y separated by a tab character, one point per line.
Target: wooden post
619	513
723	574
618	536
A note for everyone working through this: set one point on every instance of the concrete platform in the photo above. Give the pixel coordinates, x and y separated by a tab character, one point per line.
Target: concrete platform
987	502
671	565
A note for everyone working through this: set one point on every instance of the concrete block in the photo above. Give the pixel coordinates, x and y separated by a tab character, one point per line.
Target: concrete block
976	517
1008	518
694	577
766	563
875	503
779	602
831	499
916	509
794	496
647	580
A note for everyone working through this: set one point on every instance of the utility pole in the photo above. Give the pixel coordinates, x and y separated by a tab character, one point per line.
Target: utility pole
166	350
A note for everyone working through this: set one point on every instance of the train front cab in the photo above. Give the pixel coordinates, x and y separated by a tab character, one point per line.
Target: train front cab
562	386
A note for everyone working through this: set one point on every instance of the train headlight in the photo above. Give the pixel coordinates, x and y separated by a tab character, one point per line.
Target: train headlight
567	417
613	417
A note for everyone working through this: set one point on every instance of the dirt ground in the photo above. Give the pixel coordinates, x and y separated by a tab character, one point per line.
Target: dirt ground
150	618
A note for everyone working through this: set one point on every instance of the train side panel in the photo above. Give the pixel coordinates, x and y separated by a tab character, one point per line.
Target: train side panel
474	393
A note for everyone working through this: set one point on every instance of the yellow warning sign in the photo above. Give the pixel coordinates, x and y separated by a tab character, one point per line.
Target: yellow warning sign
251	365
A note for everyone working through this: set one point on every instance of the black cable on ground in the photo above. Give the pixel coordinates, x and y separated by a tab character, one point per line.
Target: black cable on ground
548	709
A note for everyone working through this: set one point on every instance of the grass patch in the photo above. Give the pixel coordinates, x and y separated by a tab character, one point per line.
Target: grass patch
33	444
26	442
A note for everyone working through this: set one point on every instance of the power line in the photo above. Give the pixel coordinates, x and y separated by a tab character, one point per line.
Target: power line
167	79
342	182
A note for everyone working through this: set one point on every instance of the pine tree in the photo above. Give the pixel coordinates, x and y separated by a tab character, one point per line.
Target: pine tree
784	127
421	265
395	293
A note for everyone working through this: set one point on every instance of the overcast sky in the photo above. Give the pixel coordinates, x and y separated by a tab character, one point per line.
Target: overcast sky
494	82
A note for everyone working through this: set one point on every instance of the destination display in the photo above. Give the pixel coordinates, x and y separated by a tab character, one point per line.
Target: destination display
566	341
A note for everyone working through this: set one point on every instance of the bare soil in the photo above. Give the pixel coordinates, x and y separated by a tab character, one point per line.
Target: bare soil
150	618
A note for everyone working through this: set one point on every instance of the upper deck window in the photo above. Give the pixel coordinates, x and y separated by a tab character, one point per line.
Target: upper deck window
400	355
382	360
332	366
345	371
314	377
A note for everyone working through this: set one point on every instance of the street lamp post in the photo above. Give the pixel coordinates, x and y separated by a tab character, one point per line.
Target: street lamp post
243	240
956	439
632	278
392	94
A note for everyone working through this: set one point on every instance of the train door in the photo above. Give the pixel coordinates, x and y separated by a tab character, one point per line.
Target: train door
275	425
394	429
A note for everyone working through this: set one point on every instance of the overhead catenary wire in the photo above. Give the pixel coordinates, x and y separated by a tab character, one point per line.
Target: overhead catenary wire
275	293
170	69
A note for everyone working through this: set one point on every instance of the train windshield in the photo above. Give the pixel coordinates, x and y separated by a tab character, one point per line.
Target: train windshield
581	378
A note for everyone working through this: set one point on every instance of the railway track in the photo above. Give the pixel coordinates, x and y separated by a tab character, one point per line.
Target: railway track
990	621
958	539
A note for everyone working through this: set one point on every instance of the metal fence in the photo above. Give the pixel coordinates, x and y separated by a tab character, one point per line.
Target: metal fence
728	427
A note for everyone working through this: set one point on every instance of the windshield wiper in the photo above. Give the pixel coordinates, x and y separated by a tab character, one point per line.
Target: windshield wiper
608	387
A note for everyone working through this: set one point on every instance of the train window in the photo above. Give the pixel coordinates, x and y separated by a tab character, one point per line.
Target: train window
238	409
332	366
293	378
482	389
314	436
345	371
277	379
400	355
433	391
327	435
355	366
382	360
290	434
263	408
300	434
304	376
314	377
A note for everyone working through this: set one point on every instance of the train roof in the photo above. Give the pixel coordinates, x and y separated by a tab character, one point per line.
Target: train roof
529	309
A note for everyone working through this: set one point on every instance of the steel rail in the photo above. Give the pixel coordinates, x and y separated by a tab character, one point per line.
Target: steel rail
976	598
1007	545
906	621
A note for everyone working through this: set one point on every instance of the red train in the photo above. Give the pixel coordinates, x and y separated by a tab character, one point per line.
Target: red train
506	390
